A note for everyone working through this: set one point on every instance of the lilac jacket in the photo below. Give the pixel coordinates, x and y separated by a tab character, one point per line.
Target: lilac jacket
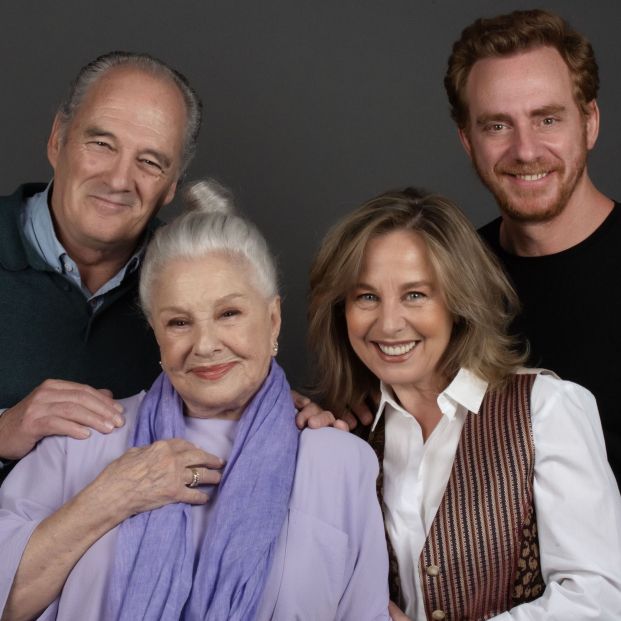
330	561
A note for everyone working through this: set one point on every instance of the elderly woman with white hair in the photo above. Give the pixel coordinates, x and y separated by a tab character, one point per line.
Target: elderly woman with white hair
130	525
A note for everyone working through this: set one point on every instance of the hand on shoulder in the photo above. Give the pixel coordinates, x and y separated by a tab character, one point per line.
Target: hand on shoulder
57	407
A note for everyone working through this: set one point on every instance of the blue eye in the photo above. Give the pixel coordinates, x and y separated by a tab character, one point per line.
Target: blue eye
367	297
414	296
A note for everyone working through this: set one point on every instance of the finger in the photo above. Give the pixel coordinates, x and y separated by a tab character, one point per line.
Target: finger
313	411
60	426
363	413
204	476
189	454
198	457
323	418
300	401
82	415
73	391
193	496
341	425
80	406
349	419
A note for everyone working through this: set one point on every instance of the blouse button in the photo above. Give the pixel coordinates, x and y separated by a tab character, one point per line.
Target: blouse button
438	615
433	571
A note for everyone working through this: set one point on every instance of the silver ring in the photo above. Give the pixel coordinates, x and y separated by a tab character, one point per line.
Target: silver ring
194	481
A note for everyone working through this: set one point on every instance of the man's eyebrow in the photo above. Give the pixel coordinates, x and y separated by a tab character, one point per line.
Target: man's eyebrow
484	119
97	132
548	110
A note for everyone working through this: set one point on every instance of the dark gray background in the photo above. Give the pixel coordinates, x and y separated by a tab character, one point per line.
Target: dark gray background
310	106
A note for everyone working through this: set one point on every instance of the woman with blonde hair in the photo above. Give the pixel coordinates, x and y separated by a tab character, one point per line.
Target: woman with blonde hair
498	500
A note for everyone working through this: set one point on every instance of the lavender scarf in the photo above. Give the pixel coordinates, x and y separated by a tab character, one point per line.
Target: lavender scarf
154	576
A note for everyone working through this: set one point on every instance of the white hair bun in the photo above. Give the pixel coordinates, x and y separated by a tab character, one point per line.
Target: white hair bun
208	196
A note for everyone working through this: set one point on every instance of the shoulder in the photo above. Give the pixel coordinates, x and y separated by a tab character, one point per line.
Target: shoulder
490	233
548	386
16	200
338	454
334	478
12	253
335	450
563	407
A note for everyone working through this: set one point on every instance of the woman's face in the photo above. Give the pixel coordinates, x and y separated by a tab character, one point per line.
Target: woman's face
215	331
397	320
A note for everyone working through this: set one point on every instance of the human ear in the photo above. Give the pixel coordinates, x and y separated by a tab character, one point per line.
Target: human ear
54	142
592	124
462	132
275	318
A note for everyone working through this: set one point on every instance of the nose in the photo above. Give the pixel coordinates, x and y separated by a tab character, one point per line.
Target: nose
391	319
119	174
525	144
206	341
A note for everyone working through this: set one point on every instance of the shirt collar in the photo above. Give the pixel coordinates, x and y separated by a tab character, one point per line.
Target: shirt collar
39	229
467	390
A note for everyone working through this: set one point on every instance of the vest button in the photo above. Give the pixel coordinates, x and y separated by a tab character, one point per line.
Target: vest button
433	571
438	615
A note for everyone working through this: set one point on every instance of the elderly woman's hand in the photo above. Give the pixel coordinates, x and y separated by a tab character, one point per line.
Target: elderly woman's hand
159	474
140	480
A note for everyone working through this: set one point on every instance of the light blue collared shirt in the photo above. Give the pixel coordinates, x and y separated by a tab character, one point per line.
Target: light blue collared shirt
39	231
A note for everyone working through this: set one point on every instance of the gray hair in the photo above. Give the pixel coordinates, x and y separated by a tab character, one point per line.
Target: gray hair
95	69
208	225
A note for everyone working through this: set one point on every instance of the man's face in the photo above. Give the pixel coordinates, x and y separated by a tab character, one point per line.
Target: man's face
526	135
117	161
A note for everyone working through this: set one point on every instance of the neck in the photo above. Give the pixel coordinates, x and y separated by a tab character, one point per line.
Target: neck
422	404
98	266
585	211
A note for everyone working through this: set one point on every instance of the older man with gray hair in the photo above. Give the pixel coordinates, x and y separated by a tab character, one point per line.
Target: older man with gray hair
70	251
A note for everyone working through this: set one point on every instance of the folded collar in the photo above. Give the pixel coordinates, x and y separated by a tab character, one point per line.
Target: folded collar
467	389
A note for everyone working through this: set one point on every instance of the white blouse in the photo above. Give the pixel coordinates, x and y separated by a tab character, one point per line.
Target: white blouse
577	501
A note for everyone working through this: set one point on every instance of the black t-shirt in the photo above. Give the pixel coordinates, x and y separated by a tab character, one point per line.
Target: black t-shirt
571	303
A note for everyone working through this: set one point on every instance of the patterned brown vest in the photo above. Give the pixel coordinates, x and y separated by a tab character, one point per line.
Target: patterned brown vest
481	556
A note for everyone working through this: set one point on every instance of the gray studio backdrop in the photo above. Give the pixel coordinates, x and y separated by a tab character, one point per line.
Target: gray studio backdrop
310	106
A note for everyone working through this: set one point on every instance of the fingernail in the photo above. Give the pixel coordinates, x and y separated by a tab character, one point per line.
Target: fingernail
108	425
118	407
118	421
85	433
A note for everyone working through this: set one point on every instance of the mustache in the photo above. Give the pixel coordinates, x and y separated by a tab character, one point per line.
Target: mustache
527	168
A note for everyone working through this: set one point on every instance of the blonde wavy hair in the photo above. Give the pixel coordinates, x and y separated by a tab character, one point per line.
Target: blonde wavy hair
476	292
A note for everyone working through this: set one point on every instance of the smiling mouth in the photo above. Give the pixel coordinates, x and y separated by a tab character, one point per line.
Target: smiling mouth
111	202
396	350
212	372
532	177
